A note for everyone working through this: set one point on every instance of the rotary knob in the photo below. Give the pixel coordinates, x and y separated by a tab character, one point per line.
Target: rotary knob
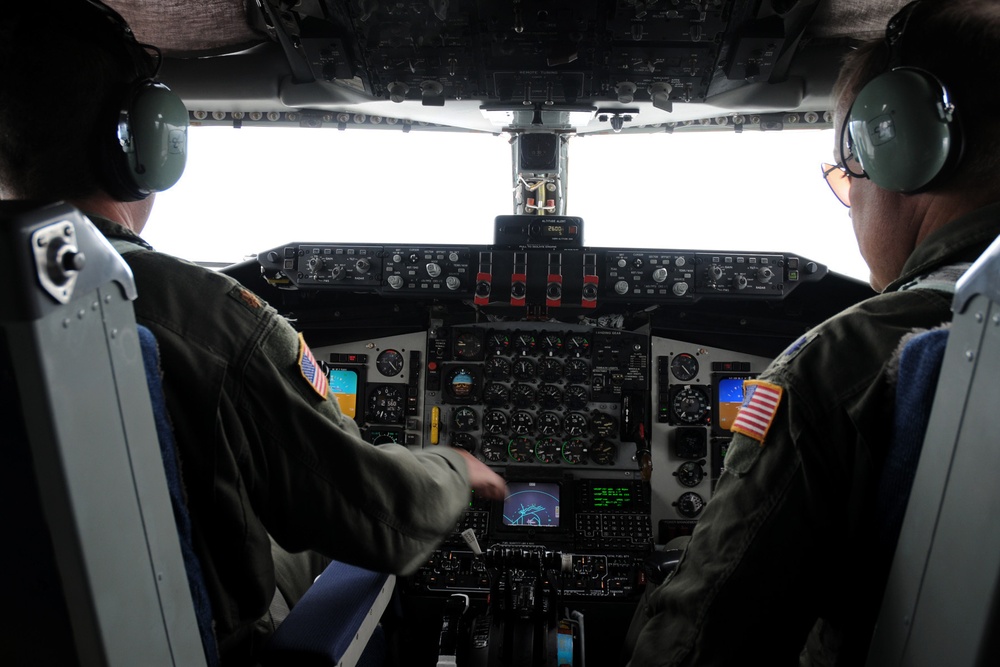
433	269
680	289
452	282
659	275
621	287
395	282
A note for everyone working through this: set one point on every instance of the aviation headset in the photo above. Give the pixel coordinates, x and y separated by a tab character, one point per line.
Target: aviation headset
143	142
902	128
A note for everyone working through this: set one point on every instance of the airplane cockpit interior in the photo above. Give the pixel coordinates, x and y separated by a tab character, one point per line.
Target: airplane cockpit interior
600	381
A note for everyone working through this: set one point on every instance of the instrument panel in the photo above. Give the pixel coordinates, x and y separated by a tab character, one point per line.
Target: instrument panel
599	382
555	277
554	401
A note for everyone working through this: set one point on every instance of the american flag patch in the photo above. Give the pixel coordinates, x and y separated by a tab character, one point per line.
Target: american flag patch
760	403
311	370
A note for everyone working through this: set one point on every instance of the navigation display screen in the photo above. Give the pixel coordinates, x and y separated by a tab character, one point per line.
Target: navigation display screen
532	504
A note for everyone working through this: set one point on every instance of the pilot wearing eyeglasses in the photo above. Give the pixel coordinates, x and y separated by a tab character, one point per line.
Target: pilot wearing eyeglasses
789	561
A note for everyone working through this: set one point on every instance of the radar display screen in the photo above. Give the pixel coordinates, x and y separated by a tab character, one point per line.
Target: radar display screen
531	505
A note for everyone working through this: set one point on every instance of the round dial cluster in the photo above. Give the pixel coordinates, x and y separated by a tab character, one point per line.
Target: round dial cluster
533	398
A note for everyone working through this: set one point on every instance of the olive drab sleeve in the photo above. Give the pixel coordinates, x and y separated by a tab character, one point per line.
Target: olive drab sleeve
263	452
740	590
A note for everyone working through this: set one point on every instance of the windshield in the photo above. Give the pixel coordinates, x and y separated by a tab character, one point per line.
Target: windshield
255	188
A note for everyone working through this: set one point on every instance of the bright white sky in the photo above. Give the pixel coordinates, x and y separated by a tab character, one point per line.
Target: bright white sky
249	190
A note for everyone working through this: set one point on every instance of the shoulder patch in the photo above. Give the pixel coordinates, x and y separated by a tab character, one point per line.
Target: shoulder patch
246	298
760	404
792	350
311	370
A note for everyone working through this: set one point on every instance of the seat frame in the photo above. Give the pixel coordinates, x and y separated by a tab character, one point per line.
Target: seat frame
943	593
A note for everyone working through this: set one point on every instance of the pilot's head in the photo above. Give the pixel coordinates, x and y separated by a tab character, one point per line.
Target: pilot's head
73	82
916	125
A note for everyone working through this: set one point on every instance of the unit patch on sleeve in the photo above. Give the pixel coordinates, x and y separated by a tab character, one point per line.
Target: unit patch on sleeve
760	403
311	369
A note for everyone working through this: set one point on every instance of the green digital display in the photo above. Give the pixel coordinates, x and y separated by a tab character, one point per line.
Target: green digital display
611	497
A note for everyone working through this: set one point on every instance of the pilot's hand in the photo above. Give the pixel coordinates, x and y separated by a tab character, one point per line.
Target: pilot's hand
483	481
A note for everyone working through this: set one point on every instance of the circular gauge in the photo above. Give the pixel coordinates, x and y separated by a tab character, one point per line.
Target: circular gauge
466	441
689	504
494	448
550	370
383	436
495	422
468	345
522	395
524	369
574	451
389	363
604	452
690	405
498	342
386	404
690	473
525	342
577	370
496	394
461	384
684	367
551	343
465	419
521	449
522	423
576	397
497	368
549	396
548	450
578	345
575	424
603	424
549	423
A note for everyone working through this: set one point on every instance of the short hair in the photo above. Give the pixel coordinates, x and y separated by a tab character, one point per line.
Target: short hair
957	41
64	68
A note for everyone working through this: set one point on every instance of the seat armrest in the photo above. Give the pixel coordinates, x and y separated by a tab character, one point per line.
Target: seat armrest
334	620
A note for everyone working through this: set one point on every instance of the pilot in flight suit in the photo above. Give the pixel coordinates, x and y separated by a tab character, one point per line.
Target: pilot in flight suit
787	564
264	449
783	541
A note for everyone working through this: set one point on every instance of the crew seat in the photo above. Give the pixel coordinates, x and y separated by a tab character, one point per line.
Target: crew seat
942	598
100	571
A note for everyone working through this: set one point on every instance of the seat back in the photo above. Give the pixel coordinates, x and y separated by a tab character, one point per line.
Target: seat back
90	491
941	599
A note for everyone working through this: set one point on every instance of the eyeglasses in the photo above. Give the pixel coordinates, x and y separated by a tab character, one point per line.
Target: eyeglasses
839	179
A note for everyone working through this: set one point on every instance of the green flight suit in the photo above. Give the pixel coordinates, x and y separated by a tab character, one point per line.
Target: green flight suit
263	453
783	556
